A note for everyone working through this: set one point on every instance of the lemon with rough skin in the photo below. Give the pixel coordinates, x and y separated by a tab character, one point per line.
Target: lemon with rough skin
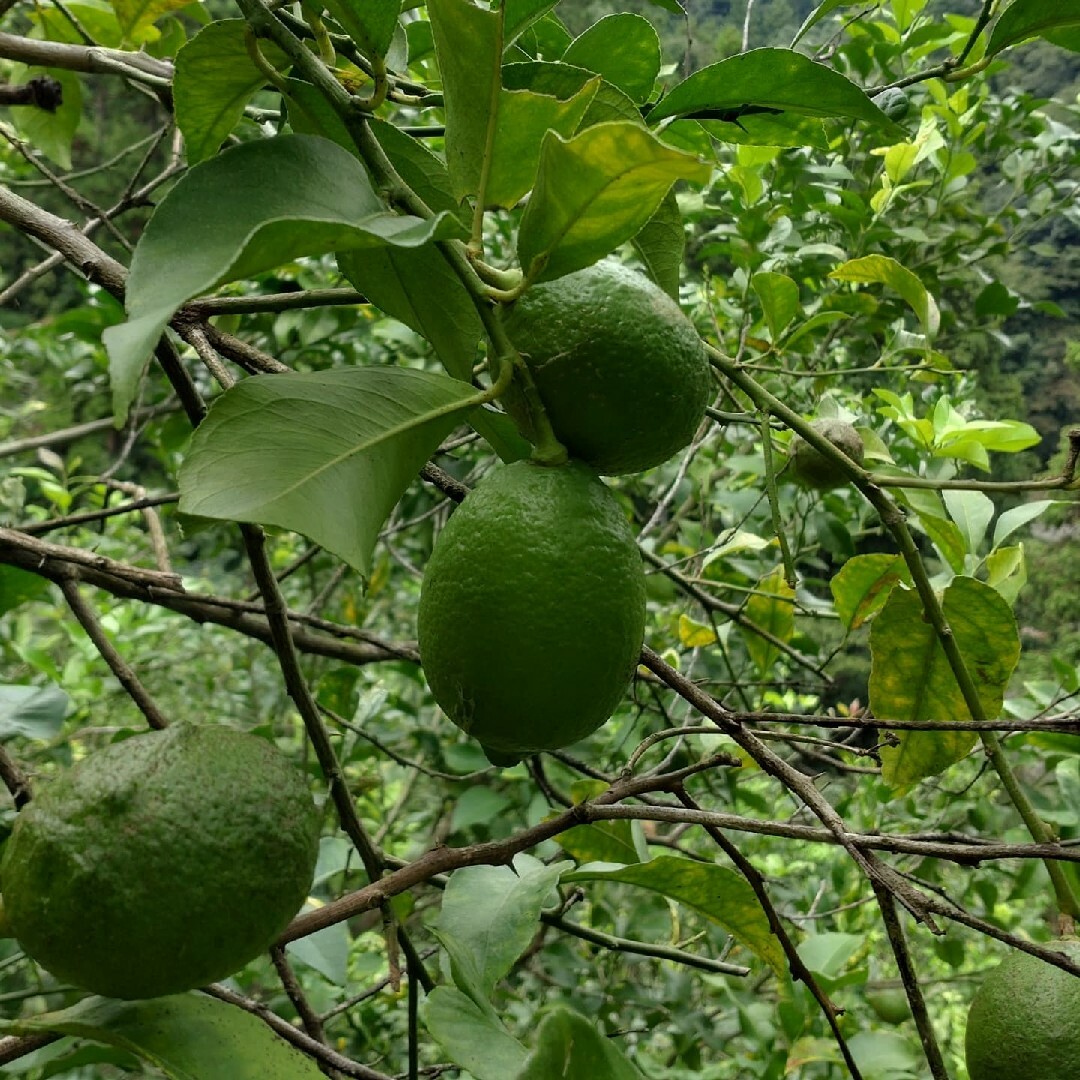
532	610
1024	1021
161	863
621	371
812	469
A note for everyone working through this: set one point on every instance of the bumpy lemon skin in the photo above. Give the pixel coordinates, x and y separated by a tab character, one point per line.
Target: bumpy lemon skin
532	609
1024	1020
161	863
623	375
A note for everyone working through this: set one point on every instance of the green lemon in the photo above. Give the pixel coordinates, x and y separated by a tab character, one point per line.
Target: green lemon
1024	1021
890	1003
621	371
161	863
810	468
532	610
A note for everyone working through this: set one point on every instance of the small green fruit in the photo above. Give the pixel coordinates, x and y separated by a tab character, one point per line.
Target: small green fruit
1024	1021
532	610
890	1004
811	469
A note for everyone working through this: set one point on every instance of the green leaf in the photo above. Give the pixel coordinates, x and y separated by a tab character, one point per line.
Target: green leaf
773	79
326	454
766	129
187	1036
471	1036
863	584
972	511
214	81
370	23
136	16
779	297
601	841
594	192
418	287
327	951
910	677
493	912
661	245
223	222
521	14
51	133
624	49
887	271
717	892
567	1045
1018	517
19	587
771	608
1006	571
818	14
1028	18
946	537
35	712
523	118
501	433
468	48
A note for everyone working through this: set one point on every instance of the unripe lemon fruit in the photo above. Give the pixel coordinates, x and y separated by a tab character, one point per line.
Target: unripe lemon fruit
1024	1021
812	469
622	373
532	609
161	863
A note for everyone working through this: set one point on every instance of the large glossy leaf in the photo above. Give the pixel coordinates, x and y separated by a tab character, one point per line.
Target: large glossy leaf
493	912
186	1036
215	79
472	1036
567	1045
468	42
594	192
624	49
911	679
885	270
224	221
1024	19
418	287
717	892
35	712
370	23
326	454
771	79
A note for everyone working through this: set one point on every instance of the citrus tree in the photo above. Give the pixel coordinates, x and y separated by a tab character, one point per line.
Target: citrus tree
699	741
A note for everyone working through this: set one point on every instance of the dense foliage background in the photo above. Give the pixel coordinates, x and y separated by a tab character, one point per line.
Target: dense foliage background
956	354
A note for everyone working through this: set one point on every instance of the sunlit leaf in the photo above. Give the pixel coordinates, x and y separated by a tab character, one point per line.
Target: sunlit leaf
595	191
911	679
885	270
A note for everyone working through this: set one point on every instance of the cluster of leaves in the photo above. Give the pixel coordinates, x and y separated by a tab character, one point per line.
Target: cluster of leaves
844	256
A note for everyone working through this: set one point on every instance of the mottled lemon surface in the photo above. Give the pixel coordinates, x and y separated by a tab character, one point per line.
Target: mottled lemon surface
161	863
